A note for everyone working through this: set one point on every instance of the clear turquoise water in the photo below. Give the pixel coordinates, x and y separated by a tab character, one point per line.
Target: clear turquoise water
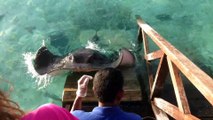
187	24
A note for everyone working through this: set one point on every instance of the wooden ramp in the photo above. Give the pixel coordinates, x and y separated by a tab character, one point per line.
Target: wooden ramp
131	87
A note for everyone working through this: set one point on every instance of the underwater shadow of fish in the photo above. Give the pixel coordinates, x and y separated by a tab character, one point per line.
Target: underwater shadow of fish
82	60
163	17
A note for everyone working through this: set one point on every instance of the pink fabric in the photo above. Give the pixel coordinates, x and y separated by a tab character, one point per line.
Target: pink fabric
49	112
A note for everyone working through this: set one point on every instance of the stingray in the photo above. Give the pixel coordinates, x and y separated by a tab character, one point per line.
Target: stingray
81	60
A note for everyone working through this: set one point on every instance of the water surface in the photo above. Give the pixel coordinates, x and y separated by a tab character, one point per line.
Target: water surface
67	25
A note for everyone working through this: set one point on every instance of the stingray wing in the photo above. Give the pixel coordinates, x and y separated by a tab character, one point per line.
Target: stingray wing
48	63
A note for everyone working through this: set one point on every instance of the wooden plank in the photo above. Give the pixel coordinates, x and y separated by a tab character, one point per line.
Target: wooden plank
150	75
148	64
132	91
160	78
172	110
178	88
198	78
154	55
159	114
129	95
146	44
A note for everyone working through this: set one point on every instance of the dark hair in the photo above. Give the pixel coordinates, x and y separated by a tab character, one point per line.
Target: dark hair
107	83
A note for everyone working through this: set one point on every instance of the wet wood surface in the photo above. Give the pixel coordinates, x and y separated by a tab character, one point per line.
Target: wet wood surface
132	91
178	88
172	110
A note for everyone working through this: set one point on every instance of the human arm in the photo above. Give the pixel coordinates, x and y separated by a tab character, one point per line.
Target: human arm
77	104
81	92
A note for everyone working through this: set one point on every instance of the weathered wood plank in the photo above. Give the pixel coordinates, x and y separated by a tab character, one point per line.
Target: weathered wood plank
178	88
172	110
132	91
159	114
129	95
154	55
150	74
148	64
198	78
160	77
145	41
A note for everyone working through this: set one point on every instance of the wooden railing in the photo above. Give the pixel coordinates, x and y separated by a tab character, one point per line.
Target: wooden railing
171	61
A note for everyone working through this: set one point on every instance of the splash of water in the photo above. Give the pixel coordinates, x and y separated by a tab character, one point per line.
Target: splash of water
41	80
94	46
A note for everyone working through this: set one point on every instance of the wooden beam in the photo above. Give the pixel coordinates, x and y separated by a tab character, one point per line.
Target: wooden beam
154	55
198	78
159	114
178	88
160	78
146	44
129	95
172	110
148	64
150	75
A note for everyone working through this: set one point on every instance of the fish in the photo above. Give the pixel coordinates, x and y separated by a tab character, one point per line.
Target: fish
163	17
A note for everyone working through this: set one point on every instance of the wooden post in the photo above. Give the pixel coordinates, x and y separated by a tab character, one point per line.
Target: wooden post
178	88
148	63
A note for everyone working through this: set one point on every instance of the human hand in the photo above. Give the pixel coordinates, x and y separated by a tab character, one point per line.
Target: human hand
82	85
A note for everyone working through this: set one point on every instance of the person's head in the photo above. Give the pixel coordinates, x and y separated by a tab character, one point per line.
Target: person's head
108	85
49	112
9	110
